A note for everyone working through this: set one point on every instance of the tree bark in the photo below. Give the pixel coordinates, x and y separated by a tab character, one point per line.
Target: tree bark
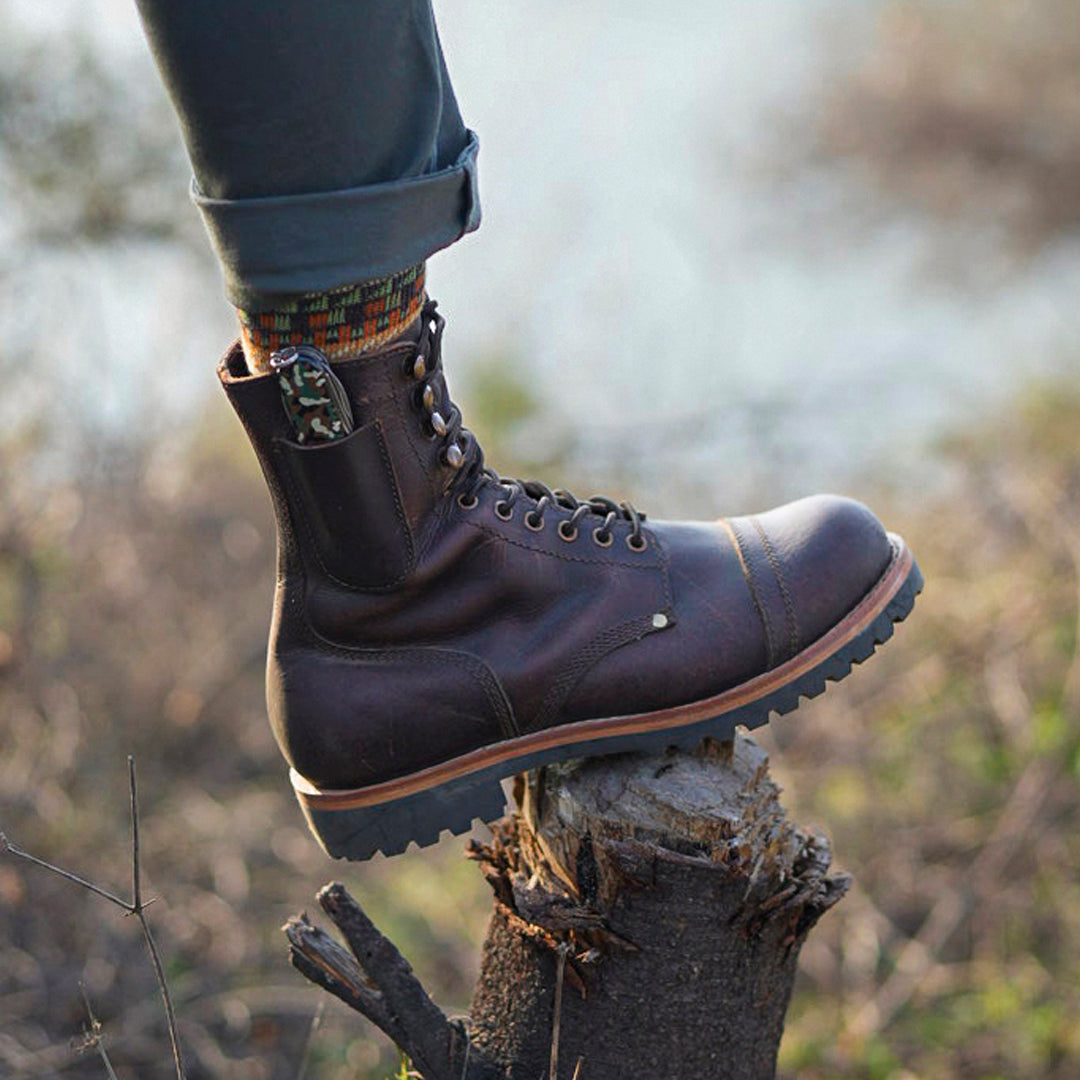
647	920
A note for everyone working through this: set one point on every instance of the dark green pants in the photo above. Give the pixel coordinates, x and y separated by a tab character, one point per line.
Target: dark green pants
324	135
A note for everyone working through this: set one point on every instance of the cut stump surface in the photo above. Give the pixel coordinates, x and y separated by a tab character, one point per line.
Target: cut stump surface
648	915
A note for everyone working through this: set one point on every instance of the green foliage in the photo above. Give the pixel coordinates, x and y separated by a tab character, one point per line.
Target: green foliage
947	774
404	1069
499	398
134	620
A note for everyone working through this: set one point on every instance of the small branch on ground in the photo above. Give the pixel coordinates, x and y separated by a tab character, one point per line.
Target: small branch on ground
92	1038
560	973
137	907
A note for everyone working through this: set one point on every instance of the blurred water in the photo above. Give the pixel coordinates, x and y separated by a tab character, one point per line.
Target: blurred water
692	323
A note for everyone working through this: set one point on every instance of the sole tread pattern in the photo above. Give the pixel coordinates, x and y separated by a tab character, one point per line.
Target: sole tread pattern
422	817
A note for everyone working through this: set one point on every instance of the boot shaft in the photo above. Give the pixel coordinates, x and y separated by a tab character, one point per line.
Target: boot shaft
426	606
357	509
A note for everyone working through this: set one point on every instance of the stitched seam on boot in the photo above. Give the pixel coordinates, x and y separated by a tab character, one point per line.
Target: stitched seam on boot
785	595
298	501
736	539
665	574
476	665
602	645
410	563
399	409
318	558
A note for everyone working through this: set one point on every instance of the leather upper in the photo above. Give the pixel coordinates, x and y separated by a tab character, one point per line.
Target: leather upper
412	623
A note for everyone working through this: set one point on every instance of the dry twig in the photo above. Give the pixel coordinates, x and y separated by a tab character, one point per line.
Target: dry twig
316	1023
918	957
560	971
136	907
92	1039
376	980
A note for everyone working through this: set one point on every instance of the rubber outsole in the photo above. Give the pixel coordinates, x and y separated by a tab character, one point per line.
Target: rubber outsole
359	832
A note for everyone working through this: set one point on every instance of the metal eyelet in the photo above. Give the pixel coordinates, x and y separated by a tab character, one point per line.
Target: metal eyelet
467	502
636	543
427	398
602	538
567	532
438	423
533	522
503	510
453	456
419	367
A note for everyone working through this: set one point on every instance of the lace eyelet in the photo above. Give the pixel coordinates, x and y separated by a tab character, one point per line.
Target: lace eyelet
419	367
427	398
532	522
438	423
503	510
601	538
467	502
567	532
453	457
636	543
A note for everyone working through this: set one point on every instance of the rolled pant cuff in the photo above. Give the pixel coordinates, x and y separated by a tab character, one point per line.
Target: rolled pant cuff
286	245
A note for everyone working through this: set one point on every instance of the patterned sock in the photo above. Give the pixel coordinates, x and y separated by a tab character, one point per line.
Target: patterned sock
343	324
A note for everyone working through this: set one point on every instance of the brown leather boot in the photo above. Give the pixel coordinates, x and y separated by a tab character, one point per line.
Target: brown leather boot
437	627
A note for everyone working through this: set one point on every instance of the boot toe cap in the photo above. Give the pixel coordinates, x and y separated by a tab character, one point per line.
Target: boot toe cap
809	563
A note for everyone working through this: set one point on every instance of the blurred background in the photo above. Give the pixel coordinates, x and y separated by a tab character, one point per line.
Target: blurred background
768	249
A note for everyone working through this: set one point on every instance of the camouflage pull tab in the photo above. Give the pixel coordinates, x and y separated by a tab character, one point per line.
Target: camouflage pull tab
314	398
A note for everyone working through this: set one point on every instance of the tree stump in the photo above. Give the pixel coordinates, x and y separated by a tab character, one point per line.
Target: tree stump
648	915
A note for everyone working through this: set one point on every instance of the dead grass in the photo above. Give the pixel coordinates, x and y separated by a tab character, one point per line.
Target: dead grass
970	110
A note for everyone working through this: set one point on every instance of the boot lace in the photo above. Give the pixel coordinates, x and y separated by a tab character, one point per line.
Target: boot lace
462	453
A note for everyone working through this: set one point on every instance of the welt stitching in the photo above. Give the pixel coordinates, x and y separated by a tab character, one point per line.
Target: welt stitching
785	595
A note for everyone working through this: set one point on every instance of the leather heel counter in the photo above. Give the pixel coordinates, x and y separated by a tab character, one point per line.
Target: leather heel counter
347	719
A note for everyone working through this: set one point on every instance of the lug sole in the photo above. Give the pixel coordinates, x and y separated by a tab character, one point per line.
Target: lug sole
449	797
